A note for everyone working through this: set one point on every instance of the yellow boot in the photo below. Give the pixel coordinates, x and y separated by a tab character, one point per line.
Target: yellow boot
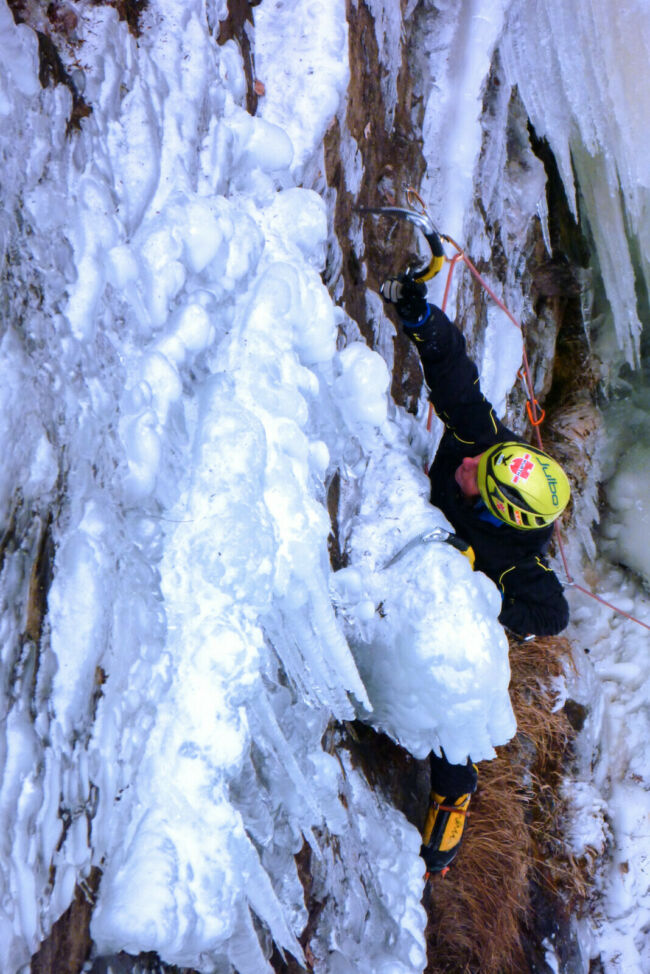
443	831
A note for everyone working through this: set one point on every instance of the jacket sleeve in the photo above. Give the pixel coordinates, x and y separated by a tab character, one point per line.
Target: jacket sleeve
452	378
533	601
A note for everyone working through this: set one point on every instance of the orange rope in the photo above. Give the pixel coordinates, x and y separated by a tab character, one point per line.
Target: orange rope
531	407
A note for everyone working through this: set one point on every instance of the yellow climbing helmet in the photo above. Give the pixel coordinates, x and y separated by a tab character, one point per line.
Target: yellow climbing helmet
521	485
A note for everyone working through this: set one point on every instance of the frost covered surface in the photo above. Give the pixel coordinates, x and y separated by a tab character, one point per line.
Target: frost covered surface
169	358
301	56
408	656
626	527
609	797
182	406
595	127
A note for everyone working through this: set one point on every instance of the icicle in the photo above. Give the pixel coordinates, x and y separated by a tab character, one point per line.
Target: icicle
244	951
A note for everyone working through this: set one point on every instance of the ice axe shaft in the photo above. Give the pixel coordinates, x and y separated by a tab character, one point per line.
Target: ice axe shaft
436	534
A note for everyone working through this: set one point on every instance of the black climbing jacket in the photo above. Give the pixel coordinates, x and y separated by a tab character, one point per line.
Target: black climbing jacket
533	601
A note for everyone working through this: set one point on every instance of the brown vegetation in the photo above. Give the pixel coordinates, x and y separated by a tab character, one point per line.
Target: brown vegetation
513	883
481	915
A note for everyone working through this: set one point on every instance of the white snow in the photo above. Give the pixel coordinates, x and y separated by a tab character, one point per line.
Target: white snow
610	823
626	527
301	58
429	611
183	405
459	53
176	398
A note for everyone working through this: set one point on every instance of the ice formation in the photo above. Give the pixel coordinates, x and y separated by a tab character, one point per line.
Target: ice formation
580	86
174	406
170	360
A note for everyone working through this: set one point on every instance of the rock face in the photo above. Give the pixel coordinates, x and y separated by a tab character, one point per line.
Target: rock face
386	144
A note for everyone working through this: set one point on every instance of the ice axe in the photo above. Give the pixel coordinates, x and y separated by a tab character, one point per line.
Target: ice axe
422	220
426	537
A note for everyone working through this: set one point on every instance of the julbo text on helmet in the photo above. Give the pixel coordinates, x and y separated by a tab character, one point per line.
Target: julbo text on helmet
521	485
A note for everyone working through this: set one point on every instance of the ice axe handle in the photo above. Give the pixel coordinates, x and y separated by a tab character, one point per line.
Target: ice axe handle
437	259
462	546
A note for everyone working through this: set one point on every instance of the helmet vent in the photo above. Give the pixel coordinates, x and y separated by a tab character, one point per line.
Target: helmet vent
515	498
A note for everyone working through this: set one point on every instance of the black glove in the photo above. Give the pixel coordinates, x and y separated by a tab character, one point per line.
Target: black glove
408	296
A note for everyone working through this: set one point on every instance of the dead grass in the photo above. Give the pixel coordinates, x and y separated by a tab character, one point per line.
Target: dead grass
481	912
477	910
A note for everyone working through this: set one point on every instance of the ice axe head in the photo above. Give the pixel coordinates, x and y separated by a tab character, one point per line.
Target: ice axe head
421	273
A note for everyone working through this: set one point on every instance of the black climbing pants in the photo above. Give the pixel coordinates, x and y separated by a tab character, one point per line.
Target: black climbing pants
452	780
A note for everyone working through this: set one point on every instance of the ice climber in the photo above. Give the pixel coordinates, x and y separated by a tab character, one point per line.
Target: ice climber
502	496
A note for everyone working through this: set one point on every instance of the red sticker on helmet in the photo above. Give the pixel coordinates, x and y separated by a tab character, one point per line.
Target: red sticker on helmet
521	468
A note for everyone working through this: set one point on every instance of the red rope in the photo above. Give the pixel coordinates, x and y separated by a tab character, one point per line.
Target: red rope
531	406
